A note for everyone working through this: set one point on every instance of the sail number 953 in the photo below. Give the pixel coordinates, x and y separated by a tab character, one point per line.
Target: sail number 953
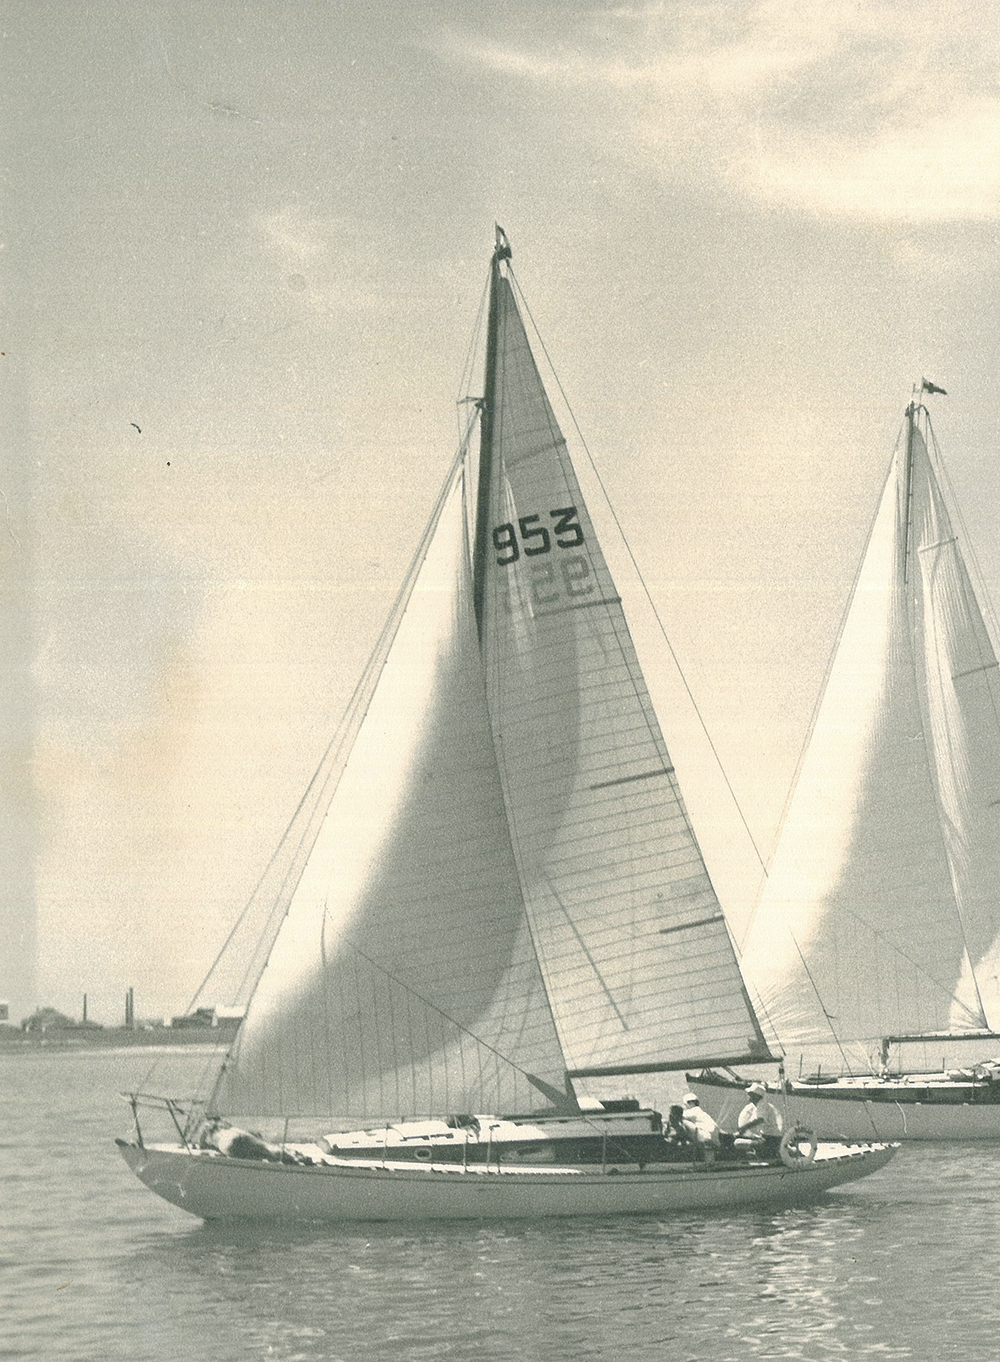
536	538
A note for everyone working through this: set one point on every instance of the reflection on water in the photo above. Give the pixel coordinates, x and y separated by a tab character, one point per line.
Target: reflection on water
94	1266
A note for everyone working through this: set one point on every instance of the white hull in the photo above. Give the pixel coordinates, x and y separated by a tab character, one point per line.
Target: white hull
214	1187
884	1117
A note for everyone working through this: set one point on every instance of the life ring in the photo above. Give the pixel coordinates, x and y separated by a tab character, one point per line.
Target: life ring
798	1147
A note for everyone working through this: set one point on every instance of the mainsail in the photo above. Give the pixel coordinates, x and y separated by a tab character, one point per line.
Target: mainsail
630	935
506	887
881	913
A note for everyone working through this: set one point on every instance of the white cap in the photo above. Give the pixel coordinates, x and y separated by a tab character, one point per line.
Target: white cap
691	1100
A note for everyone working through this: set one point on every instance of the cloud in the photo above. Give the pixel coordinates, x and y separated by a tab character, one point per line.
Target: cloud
885	111
297	237
942	169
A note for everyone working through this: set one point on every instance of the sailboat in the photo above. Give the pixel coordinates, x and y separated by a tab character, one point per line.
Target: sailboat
501	900
879	926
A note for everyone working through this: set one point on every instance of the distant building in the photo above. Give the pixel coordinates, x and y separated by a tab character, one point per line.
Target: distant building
48	1019
4	1010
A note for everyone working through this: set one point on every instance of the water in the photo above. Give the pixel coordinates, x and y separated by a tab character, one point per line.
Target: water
93	1266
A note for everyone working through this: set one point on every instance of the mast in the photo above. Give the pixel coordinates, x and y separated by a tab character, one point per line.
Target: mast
911	416
501	252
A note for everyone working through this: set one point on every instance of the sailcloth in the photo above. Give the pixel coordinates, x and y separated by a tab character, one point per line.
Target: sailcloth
633	946
882	909
404	980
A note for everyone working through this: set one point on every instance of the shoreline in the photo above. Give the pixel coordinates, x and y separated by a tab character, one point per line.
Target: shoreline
16	1041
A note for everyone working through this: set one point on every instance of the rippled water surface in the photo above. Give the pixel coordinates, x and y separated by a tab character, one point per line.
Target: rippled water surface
92	1265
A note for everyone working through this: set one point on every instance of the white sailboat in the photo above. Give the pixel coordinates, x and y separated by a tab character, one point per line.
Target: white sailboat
879	926
501	895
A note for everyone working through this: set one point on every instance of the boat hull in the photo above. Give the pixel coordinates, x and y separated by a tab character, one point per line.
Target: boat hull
214	1187
872	1112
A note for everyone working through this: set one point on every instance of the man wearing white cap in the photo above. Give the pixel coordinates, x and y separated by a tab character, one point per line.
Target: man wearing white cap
700	1127
760	1121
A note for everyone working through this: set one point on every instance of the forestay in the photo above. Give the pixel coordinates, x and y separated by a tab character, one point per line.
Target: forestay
881	912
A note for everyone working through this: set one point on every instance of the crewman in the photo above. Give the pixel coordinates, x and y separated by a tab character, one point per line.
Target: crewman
760	1121
699	1125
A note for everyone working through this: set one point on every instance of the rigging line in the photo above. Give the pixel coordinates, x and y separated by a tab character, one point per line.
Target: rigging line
948	830
590	959
759	1005
826	1014
617	621
646	593
353	716
627	650
470	357
884	940
318	777
433	1007
411	992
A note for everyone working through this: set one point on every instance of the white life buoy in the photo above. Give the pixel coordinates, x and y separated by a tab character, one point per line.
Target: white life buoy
798	1147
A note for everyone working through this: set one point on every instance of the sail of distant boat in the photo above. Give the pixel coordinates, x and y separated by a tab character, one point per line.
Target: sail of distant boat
881	913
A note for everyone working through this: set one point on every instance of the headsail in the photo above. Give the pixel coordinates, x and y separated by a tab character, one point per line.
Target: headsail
881	914
404	980
630	935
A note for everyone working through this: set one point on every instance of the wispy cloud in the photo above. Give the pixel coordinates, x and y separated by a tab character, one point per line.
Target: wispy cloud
298	237
884	111
939	169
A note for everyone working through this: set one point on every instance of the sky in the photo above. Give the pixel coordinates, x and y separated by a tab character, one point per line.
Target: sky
243	251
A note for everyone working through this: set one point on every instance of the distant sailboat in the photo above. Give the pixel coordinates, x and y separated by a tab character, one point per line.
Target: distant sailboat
503	895
879	925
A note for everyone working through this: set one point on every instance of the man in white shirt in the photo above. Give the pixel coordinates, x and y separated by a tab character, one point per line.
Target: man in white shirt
700	1127
760	1121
